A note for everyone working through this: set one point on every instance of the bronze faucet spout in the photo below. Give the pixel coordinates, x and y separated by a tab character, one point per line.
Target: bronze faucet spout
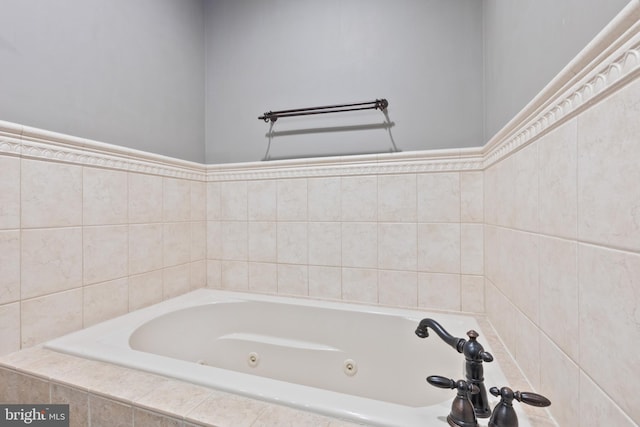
474	355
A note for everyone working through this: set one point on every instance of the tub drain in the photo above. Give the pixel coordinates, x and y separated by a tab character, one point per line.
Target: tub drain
350	367
253	359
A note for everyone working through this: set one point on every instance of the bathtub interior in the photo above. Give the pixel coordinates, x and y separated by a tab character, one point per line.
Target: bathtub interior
372	355
207	337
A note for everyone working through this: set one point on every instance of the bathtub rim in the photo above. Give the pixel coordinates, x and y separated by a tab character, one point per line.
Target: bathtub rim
192	373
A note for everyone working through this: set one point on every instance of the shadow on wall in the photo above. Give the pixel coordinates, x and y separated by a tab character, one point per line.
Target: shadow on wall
387	124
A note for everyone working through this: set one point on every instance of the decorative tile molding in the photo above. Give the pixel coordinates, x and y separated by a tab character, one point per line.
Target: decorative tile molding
382	164
609	62
39	144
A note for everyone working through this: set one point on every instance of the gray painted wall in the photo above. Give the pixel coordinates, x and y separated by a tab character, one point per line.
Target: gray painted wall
528	42
126	72
424	56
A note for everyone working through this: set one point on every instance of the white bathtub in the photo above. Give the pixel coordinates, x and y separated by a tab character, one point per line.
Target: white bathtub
353	362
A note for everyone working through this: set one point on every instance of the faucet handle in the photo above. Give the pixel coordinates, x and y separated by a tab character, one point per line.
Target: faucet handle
486	356
528	397
444	382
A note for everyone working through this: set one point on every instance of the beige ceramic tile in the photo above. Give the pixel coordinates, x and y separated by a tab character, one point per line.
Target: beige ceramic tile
198	197
9	328
234	275
263	277
10	266
145	289
104	196
559	378
360	244
9	192
325	243
105	253
176	281
324	198
77	400
145	248
608	173
145	198
226	410
214	274
523	272
176	199
214	240
397	246
527	350
359	198
51	194
500	257
292	200
472	294
597	409
524	186
472	248
360	285
113	381
197	274
40	362
105	301
325	282
147	418
398	288
293	279
198	240
262	200
234	240
439	291
498	194
108	413
439	197
558	208
471	197
281	416
559	293
502	314
609	282
51	260
397	198
176	243
36	315
175	397
262	241
17	388
214	206
233	201
292	242
439	248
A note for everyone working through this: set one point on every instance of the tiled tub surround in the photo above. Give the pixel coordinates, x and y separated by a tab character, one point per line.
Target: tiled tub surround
400	239
540	228
85	236
104	394
563	261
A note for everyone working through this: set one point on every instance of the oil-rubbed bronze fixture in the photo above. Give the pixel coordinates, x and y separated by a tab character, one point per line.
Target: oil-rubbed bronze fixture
474	356
462	413
378	104
503	413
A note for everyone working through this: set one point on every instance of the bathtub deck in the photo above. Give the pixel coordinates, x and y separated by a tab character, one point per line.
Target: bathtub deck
100	392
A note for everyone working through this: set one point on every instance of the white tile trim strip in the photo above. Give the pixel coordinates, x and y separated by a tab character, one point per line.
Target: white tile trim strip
610	61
